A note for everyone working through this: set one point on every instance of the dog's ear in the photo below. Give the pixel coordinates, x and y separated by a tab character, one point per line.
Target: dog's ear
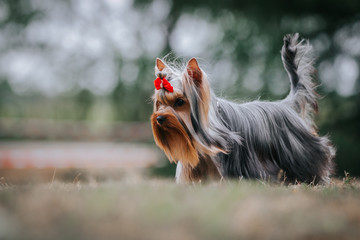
194	76
194	71
160	65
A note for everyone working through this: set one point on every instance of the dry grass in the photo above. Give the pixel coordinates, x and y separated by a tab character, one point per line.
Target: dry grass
134	208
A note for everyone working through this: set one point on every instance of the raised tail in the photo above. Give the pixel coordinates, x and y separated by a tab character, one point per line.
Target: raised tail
298	63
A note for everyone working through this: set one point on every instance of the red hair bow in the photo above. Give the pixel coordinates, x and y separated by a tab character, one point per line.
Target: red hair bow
165	84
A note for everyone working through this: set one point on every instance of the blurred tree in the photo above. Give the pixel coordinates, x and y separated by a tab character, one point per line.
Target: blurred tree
19	12
84	100
118	97
6	95
131	101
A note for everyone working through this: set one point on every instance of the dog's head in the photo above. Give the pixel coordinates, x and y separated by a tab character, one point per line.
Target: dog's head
180	119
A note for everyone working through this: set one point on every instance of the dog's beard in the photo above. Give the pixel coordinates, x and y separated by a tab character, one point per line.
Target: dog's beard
174	139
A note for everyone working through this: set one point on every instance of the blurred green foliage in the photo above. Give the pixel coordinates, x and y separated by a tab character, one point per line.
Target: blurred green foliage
242	40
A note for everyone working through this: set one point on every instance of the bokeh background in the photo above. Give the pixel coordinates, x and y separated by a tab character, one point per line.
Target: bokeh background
76	76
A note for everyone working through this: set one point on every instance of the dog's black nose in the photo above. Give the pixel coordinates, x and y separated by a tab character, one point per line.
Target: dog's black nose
160	119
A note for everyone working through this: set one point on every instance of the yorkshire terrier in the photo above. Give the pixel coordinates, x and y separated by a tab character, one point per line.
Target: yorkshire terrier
210	137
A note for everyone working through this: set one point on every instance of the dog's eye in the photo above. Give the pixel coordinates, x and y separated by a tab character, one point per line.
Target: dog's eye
179	102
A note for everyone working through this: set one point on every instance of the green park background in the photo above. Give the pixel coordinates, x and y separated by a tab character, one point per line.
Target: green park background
91	63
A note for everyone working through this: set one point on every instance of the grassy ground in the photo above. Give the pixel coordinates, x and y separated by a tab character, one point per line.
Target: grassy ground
134	208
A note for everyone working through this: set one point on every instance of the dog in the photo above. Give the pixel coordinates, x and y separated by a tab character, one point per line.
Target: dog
213	138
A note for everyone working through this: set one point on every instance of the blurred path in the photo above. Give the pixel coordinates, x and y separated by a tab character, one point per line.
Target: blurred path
77	155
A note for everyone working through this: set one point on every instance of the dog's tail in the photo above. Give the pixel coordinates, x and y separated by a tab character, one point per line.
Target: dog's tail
298	62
